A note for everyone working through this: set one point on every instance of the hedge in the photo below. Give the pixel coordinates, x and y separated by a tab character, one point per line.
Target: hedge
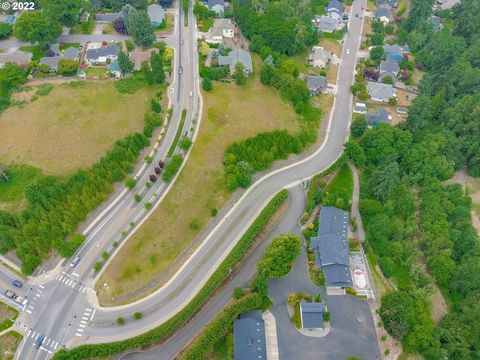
217	328
166	329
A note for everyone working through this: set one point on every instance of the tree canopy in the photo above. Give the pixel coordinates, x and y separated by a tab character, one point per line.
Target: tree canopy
33	26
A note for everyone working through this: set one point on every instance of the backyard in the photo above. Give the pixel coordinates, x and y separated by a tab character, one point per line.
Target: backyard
96	71
78	122
231	113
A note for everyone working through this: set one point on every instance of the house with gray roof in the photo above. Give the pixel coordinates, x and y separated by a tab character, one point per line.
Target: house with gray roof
156	14
222	28
249	337
101	54
18	58
319	57
107	18
327	24
311	315
52	61
216	5
390	3
380	92
316	84
335	6
379	116
235	56
331	247
395	52
360	108
383	14
388	68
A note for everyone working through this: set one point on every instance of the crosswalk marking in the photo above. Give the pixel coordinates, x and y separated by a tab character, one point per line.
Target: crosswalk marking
41	286
78	334
82	325
29	331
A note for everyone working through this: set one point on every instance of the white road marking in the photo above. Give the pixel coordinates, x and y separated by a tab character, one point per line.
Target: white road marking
82	325
78	334
55	347
81	330
84	290
37	336
87	309
37	295
93	314
29	331
76	274
40	291
41	286
84	318
64	280
47	342
28	311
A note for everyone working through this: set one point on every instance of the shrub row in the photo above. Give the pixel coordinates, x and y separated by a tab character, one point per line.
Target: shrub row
167	328
217	328
172	167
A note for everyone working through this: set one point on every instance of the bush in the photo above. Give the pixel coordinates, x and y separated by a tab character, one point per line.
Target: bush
67	67
238	293
137	197
151	121
148	205
156	107
137	315
97	266
214	212
130	183
172	167
207	84
129	45
185	143
167	328
120	320
326	316
279	256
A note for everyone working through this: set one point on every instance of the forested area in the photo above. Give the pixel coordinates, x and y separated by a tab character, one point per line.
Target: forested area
419	229
263	22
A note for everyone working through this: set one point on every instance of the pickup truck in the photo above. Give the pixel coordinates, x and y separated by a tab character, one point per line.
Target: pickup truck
10	294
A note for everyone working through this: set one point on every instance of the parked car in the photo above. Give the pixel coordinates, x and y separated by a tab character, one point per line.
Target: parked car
157	170
75	261
185	133
17	283
39	341
153	178
180	70
10	294
161	163
22	301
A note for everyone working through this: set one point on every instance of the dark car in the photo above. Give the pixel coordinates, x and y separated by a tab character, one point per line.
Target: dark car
39	341
158	170
153	178
17	283
161	163
356	15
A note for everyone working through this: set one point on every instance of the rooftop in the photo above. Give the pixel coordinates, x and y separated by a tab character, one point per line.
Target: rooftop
156	13
383	12
219	25
108	17
380	91
335	5
311	315
235	56
93	54
316	82
382	115
249	338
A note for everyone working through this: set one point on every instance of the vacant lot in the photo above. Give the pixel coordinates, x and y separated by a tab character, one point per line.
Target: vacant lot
230	113
332	46
9	344
72	127
7	316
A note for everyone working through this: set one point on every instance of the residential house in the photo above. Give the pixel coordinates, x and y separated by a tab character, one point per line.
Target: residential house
316	84
52	61
249	337
335	9
390	3
156	14
237	56
18	58
311	315
55	49
395	52
107	18
319	57
436	23
380	92
217	5
331	248
360	108
402	110
389	68
114	68
222	28
379	116
383	14
327	24
101	54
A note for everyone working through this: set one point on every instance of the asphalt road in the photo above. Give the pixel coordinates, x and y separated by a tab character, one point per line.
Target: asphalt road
63	314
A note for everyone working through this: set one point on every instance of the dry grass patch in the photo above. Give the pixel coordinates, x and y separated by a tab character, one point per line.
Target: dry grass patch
230	113
367	26
9	344
332	46
72	127
332	71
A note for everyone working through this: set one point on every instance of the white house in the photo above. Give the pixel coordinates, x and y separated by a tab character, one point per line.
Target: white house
216	5
383	14
100	55
221	29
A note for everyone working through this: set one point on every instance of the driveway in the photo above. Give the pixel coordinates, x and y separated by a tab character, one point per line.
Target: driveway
352	328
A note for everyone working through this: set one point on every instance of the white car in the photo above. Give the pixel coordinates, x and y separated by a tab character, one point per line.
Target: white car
75	261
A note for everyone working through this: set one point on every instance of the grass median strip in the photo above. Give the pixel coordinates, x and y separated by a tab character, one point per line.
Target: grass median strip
177	134
171	325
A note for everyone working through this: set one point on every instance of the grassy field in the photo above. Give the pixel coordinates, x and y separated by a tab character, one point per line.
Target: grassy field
342	183
9	344
36	51
72	127
230	113
96	70
7	316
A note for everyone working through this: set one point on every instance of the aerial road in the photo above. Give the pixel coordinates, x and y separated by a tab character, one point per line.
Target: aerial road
63	313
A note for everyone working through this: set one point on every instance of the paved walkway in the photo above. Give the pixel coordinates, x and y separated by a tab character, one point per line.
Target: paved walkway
271	335
355	213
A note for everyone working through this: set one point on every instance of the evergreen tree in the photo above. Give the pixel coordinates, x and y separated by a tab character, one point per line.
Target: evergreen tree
126	66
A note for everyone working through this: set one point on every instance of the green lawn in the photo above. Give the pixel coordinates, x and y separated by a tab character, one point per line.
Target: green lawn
85	27
7	316
9	344
205	25
108	29
223	349
65	46
37	52
96	70
20	178
332	36
342	183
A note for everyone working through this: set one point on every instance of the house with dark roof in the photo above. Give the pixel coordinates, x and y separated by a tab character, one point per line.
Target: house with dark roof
216	5
327	24
380	92
237	56
388	68
383	14
380	116
395	52
360	108
331	247
390	3
18	58
311	315
335	7
107	18
101	54
156	14
316	84
249	337
52	61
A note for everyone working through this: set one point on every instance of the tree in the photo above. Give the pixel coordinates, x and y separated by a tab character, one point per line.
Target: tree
140	27
358	127
156	107
64	11
267	74
238	293
67	67
207	84
239	74
127	13
5	30
120	320
33	26
156	63
147	72
385	179
278	259
126	66
185	143
376	53
204	49
137	315
119	26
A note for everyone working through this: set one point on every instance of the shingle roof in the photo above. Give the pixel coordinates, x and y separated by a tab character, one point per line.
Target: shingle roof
380	91
311	315
235	56
316	83
219	25
326	23
436	22
70	53
389	66
249	339
114	66
108	17
391	3
395	52
93	54
331	246
19	58
52	61
382	115
319	52
212	3
380	12
335	5
156	13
